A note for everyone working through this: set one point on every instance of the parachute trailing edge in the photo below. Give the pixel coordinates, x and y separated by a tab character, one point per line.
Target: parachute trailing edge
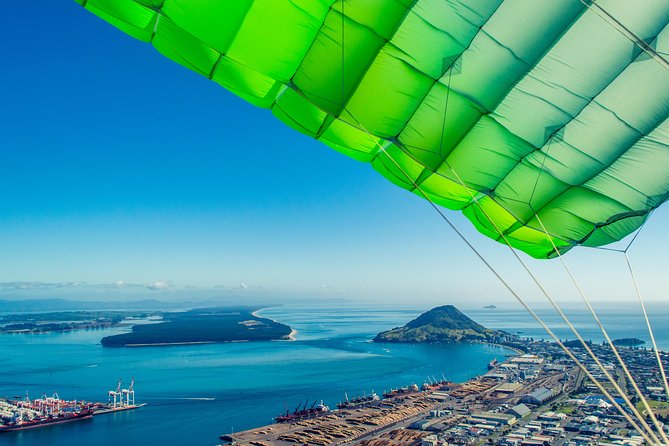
505	110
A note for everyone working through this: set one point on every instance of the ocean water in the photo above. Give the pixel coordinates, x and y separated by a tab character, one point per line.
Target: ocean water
620	321
195	393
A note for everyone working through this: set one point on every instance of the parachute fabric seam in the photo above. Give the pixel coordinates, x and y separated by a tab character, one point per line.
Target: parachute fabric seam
486	110
548	143
592	5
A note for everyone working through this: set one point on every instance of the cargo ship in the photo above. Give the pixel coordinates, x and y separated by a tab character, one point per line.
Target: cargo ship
433	384
27	414
302	412
20	414
358	401
413	388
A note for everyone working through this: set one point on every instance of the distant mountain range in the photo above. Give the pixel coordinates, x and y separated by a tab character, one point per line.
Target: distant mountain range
441	324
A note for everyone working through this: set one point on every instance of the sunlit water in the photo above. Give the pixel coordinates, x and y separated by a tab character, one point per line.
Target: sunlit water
620	321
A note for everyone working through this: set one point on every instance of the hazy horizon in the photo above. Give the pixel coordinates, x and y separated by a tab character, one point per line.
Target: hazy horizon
270	298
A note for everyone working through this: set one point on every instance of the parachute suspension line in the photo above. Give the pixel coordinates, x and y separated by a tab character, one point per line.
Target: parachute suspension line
650	329
622	29
643	306
548	295
606	335
560	312
591	309
534	278
443	123
641	302
589	306
643	432
155	29
629	245
543	165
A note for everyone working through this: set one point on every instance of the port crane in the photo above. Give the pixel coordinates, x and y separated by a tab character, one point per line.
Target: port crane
129	394
115	397
48	405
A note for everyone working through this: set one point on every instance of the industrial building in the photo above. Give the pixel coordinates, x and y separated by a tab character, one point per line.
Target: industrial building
538	397
519	411
493	417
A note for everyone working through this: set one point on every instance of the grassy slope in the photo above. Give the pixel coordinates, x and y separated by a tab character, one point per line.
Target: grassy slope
441	324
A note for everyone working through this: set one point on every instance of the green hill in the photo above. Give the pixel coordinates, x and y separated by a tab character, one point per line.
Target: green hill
441	324
628	342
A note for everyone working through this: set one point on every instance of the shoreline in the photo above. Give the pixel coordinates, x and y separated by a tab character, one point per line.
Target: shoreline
513	349
250	319
292	336
517	350
165	344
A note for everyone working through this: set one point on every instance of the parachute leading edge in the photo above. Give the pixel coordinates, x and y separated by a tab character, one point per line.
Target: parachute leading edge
504	110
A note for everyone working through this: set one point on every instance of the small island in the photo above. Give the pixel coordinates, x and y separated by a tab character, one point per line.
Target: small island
203	326
490	307
64	321
441	324
628	342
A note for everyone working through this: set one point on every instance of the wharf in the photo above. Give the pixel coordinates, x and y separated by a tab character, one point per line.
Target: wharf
105	409
406	418
341	426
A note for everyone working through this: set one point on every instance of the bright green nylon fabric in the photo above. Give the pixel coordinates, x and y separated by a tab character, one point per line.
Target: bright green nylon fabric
539	107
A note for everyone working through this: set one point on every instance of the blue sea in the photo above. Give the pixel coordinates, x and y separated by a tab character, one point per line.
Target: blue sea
197	392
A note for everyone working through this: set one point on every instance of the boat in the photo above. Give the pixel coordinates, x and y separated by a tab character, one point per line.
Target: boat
413	388
433	384
44	411
302	412
18	414
357	401
49	420
492	364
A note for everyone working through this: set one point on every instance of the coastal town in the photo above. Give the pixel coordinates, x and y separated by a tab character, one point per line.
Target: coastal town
537	397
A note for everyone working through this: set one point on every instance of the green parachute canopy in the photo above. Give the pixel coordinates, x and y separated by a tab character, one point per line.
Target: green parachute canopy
502	109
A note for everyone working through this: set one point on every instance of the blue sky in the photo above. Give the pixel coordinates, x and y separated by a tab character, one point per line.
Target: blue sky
124	174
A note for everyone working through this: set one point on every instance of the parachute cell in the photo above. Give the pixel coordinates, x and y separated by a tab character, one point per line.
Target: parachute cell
523	113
